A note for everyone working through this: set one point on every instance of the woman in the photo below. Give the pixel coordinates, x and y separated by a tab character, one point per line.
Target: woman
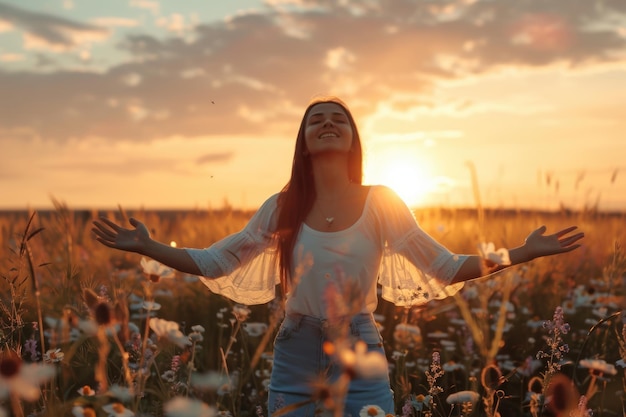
324	232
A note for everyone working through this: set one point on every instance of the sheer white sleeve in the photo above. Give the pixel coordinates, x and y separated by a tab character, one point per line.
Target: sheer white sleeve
415	268
243	266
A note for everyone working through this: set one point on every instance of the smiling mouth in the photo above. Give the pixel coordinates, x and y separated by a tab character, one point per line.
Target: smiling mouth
328	135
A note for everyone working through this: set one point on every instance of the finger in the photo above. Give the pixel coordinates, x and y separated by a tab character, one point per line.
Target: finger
570	248
540	230
106	243
104	230
102	236
109	223
565	231
572	239
98	235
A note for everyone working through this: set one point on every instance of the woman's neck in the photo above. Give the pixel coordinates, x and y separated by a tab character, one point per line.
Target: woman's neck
330	177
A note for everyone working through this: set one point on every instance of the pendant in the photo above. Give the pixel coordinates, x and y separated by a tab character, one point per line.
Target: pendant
330	220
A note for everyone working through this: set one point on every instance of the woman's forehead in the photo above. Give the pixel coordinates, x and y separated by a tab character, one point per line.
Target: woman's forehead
326	107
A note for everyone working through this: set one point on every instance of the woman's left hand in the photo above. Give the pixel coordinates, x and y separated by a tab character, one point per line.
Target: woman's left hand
538	244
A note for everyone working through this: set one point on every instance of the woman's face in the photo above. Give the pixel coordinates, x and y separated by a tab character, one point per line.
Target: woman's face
327	129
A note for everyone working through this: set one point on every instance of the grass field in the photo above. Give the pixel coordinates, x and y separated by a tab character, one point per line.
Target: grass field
76	341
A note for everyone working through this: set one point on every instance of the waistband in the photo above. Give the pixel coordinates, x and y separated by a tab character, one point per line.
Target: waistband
324	323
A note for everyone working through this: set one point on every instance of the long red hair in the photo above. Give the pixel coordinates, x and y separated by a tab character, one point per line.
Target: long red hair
298	195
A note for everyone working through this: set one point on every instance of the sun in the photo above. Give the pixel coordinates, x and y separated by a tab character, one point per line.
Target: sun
402	173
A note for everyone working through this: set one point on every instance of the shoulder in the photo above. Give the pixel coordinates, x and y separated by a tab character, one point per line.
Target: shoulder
386	204
273	199
268	208
383	193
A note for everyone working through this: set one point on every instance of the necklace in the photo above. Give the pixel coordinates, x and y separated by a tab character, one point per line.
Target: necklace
330	219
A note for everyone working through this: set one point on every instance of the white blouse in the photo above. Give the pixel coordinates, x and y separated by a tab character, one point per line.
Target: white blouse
385	246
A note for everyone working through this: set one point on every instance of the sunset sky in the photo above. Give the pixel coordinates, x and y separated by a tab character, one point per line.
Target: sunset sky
194	103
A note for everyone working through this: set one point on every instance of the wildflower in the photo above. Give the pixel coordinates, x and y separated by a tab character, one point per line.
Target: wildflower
562	395
255	329
419	402
371	411
435	372
407	336
363	363
187	407
600	312
135	302
102	311
151	306
83	411
198	328
556	328
452	366
241	312
162	292
121	393
156	270
535	323
507	327
437	334
175	365
169	330
86	391
196	337
470	292
598	367
53	356
30	347
169	376
229	384
462	397
582	410
493	258
407	408
209	381
448	345
63	330
117	409
22	379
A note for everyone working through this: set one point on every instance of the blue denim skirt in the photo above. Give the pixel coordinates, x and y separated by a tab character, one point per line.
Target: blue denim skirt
300	363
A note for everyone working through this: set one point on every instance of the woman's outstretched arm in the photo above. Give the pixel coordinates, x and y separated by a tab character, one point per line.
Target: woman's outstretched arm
138	240
537	245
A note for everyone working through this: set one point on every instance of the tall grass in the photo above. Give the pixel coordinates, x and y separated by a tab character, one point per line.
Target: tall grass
90	313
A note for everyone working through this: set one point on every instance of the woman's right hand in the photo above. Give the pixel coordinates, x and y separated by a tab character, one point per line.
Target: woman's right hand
114	236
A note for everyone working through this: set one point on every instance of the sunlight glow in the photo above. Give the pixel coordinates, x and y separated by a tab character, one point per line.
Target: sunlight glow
402	172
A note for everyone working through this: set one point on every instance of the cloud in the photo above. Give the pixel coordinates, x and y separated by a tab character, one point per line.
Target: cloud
254	72
124	167
115	21
11	57
214	157
47	30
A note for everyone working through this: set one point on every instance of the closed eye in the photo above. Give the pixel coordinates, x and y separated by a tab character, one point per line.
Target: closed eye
319	117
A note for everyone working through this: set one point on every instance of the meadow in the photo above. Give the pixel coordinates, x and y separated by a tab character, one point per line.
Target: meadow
89	331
